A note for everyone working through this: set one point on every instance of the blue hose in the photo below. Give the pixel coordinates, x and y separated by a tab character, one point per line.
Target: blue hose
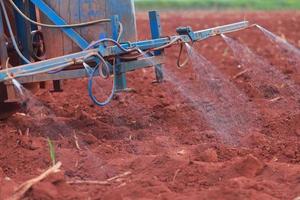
102	61
91	79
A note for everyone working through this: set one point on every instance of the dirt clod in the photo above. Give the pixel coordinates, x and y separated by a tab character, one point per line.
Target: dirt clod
249	166
209	155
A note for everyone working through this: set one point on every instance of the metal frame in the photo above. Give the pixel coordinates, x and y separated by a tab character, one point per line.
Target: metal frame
186	35
120	76
76	58
77	73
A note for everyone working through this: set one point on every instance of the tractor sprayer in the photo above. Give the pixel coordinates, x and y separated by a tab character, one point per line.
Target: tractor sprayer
45	40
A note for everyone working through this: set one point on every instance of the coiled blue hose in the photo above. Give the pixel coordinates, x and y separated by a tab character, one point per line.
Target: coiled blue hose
102	63
100	66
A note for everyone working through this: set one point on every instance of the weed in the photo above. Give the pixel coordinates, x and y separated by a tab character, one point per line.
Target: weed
52	151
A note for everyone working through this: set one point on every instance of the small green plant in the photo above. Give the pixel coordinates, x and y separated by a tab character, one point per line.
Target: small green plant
52	151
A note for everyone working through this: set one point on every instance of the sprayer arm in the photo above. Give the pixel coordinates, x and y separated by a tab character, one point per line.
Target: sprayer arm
186	35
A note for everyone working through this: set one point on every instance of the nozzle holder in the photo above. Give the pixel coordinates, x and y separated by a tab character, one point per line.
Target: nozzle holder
186	31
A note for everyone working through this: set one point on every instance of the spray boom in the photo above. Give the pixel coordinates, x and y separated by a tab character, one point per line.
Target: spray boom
113	57
186	35
204	34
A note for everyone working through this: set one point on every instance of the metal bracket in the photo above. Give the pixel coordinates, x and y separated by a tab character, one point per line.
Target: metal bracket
186	31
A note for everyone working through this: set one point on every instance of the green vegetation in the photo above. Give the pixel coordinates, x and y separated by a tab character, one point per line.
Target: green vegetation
219	4
52	151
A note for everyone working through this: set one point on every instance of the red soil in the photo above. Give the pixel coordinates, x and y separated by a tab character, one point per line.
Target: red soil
157	135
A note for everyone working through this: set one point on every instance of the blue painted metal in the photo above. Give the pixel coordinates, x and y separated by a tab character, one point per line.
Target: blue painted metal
156	33
126	12
154	43
80	11
22	31
56	19
120	77
45	66
3	50
32	15
117	10
186	31
142	63
79	73
3	57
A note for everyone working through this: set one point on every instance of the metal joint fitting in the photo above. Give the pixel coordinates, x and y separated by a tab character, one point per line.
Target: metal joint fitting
186	31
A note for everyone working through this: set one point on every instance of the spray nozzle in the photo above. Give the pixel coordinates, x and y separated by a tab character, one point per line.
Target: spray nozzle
255	25
10	75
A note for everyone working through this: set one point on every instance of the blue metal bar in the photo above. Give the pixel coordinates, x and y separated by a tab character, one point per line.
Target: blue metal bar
22	30
79	73
44	66
142	63
32	13
56	19
156	33
3	50
9	89
120	77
